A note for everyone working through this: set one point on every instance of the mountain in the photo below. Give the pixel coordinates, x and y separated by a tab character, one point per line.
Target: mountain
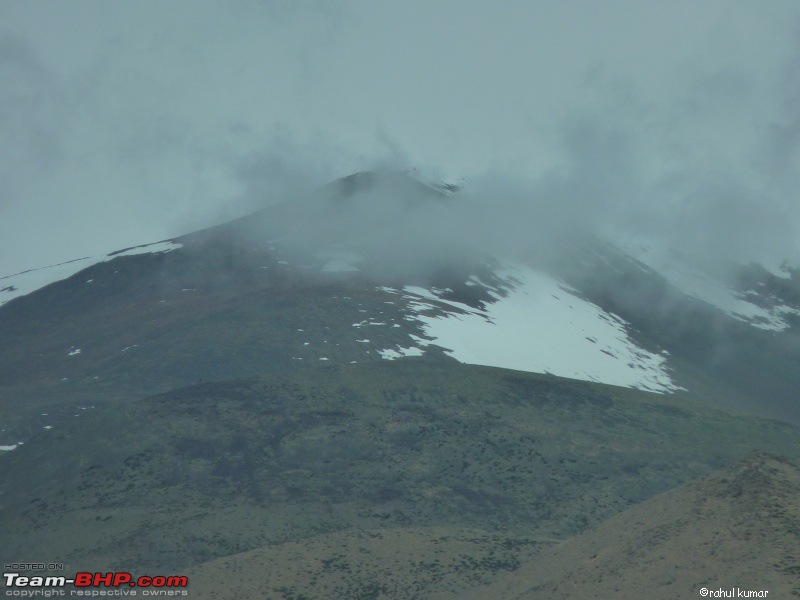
372	362
479	468
735	529
376	266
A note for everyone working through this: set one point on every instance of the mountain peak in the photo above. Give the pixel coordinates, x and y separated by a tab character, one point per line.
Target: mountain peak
403	183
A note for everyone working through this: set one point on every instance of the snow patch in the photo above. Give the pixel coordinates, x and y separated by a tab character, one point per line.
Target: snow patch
400	352
702	286
338	266
26	282
340	261
368	322
540	326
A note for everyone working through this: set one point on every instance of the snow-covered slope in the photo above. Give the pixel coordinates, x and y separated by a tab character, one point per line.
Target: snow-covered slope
538	323
21	284
355	271
763	311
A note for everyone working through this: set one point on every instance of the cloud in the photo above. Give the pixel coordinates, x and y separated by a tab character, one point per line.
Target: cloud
30	145
142	120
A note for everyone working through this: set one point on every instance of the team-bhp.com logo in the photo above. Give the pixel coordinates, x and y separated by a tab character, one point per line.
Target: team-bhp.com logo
117	579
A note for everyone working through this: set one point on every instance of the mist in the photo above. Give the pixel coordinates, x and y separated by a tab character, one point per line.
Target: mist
604	187
674	126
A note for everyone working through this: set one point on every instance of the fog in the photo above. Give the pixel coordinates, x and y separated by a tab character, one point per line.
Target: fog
675	125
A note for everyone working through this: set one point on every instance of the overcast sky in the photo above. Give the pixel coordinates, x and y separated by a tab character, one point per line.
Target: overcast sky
129	122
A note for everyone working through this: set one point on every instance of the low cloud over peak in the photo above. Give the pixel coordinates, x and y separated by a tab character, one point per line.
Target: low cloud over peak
676	124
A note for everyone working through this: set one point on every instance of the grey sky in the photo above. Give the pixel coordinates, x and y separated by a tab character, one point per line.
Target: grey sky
128	122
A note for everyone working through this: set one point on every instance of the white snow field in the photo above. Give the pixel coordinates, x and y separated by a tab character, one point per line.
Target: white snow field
21	284
540	326
698	284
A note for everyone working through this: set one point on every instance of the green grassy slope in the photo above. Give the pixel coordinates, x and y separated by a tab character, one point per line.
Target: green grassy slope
219	468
